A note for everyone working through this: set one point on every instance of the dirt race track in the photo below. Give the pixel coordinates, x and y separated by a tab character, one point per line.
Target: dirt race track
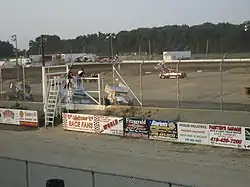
198	90
187	164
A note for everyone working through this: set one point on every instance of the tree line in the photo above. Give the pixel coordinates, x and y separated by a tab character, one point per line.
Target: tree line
204	38
6	49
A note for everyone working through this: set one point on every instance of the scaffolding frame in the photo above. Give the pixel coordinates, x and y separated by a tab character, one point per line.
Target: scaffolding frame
125	83
71	106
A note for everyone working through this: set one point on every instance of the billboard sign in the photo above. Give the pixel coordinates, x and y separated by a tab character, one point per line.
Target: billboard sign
193	133
246	140
78	122
136	127
111	125
226	136
163	130
28	118
18	117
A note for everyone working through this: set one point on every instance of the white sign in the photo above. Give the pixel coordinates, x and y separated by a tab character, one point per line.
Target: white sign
111	125
193	133
18	117
226	136
9	116
246	140
79	122
28	118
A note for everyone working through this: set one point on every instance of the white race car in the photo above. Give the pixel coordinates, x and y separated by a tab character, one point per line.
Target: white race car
172	74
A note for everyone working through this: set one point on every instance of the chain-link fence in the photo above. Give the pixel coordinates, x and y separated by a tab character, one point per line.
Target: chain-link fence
23	173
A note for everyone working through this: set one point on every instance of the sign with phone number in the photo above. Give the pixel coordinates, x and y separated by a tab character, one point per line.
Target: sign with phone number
226	136
226	140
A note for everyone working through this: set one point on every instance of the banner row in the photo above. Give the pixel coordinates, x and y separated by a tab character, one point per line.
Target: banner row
206	134
19	117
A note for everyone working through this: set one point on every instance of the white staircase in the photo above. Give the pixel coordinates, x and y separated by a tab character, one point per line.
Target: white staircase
51	104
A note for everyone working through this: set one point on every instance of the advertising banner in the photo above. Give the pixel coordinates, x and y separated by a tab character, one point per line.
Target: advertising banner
111	125
226	136
18	117
28	118
162	130
246	140
136	128
79	122
193	133
9	116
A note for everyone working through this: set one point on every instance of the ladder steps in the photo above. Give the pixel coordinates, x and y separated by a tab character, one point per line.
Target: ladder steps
52	101
50	117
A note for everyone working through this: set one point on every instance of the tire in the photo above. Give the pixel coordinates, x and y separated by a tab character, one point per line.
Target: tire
162	77
107	102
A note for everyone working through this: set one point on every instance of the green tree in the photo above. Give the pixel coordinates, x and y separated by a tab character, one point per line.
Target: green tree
221	37
6	49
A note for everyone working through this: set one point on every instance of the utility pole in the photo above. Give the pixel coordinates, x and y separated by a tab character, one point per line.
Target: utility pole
42	50
111	45
111	37
207	48
14	39
149	49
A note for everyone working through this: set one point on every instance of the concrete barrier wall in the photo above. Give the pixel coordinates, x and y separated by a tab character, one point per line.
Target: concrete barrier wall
212	134
10	73
188	115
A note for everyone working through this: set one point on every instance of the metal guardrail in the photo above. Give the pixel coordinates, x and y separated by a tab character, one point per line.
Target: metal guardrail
23	173
188	61
240	60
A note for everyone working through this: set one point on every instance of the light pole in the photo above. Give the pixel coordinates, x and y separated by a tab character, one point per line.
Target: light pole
178	84
24	84
14	39
111	37
221	83
42	50
44	80
1	81
141	83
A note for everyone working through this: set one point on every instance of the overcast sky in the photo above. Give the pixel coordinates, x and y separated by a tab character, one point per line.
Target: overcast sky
70	18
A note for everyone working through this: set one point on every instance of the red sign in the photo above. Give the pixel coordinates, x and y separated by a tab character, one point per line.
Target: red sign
8	114
78	122
28	118
111	125
226	136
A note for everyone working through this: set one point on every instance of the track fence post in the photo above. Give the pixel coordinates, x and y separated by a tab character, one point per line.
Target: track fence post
27	173
93	178
221	83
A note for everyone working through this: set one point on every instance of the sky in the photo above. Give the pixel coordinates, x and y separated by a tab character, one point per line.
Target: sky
71	18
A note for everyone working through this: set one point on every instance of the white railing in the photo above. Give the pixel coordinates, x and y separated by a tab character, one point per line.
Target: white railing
187	61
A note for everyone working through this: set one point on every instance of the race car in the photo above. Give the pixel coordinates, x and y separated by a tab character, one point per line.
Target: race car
171	74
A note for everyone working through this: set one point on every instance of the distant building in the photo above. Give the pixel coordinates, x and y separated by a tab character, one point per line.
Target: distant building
61	57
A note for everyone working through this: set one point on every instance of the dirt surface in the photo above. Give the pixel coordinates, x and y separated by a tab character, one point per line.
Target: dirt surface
188	164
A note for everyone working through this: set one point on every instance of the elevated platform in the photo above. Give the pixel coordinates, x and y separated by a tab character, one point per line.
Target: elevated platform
82	107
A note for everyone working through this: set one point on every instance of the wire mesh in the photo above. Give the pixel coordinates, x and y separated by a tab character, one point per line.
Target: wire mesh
21	173
109	180
12	173
39	174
